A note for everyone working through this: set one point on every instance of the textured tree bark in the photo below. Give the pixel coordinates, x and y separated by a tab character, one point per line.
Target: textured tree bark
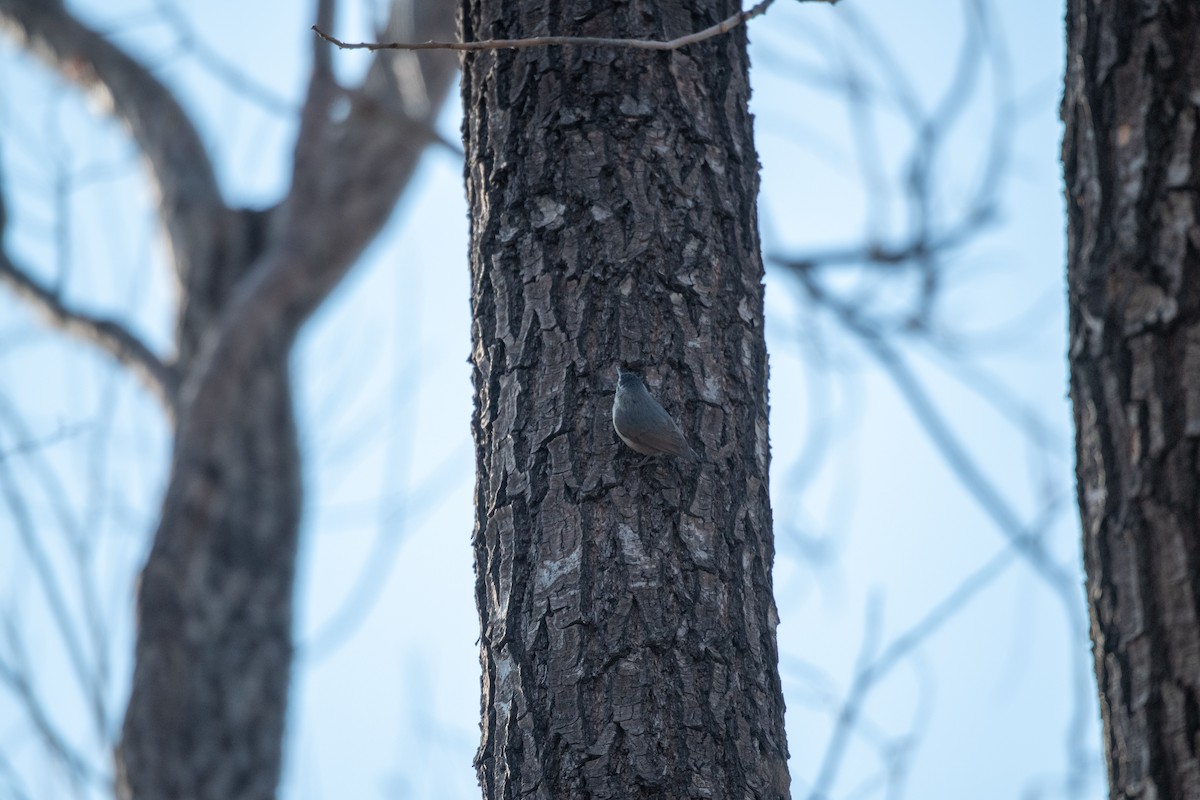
1132	165
214	647
627	620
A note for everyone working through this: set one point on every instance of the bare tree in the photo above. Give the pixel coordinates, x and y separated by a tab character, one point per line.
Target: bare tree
1130	162
206	713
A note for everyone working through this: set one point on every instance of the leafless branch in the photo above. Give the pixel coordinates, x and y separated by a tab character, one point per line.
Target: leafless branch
722	27
35	443
398	515
1025	539
108	335
872	669
15	677
191	204
856	284
84	547
48	579
377	145
225	71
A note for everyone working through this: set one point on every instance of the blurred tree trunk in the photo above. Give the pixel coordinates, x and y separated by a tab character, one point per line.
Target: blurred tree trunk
214	647
627	619
1131	158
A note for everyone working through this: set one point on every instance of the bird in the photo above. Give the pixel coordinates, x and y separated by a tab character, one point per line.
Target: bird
642	423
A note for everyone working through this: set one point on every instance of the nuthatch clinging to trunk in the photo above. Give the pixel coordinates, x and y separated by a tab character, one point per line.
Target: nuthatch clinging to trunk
642	423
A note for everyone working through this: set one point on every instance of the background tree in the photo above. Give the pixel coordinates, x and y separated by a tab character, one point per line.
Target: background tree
1131	162
205	716
887	134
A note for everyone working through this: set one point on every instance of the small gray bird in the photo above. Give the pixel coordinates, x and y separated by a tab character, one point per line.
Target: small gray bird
642	423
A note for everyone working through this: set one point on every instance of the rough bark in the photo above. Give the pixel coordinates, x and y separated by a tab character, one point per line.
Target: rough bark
1132	164
627	621
213	656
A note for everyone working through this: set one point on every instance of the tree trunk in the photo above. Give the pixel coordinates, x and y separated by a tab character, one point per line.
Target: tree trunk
627	621
1132	166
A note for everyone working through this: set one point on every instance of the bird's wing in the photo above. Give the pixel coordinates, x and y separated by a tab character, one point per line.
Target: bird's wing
665	439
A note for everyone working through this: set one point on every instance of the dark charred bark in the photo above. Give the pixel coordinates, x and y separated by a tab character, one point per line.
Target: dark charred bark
1131	159
627	620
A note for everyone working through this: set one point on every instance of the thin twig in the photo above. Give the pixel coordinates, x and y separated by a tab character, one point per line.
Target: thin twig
47	578
17	679
869	671
218	66
26	446
722	27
